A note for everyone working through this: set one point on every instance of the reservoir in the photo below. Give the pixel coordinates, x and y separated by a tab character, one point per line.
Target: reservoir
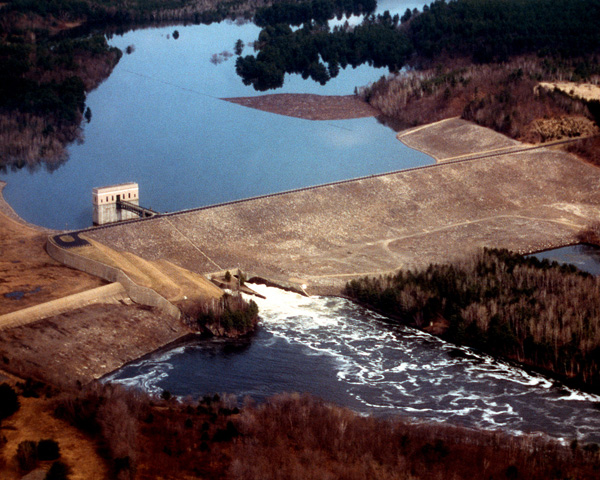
159	120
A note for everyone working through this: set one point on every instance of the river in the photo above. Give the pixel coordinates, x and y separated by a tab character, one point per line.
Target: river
351	356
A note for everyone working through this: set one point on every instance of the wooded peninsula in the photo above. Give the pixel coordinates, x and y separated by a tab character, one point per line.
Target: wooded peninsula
537	313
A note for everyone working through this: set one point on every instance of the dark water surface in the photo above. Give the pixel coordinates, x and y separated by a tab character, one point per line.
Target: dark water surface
348	355
584	257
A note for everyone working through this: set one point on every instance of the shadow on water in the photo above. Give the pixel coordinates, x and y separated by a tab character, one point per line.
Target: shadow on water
583	256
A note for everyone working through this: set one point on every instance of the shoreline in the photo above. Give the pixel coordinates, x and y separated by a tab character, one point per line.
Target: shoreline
408	218
7	210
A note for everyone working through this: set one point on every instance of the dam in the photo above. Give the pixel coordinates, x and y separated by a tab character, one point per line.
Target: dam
522	199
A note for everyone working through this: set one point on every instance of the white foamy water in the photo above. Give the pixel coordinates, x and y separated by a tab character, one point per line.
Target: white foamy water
351	356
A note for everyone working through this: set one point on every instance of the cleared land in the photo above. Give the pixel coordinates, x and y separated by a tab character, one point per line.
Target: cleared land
308	106
586	91
28	276
174	283
327	235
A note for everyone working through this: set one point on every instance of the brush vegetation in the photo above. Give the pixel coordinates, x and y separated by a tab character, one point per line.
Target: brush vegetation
534	312
298	437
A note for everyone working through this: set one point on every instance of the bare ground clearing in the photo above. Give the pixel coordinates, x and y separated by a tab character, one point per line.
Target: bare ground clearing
308	106
28	276
327	235
587	91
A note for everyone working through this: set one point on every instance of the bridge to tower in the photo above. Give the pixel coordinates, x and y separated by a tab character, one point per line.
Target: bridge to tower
116	203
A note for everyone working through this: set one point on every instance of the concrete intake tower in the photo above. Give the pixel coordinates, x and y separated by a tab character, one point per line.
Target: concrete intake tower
111	203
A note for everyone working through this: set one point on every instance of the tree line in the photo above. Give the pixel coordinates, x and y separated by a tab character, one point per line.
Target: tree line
314	51
318	11
534	312
292	436
495	30
53	52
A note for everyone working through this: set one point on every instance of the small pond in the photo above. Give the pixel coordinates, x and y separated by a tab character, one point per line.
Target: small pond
585	257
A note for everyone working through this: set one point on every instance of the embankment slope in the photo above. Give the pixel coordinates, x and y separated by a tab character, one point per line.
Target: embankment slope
327	235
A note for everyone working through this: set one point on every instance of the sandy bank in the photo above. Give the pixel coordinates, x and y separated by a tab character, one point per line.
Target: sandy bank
308	106
453	138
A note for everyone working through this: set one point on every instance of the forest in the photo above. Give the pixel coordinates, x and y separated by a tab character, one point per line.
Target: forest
484	32
318	11
290	436
52	53
534	312
503	96
377	41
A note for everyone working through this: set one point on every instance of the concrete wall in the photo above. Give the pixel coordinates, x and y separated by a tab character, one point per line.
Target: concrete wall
137	293
110	213
111	293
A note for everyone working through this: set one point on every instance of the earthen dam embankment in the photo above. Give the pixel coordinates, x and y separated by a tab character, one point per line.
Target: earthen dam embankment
324	236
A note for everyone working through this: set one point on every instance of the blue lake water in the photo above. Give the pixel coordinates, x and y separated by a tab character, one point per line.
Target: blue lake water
159	120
